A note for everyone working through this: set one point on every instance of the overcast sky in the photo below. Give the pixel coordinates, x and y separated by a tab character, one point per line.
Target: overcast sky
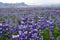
31	2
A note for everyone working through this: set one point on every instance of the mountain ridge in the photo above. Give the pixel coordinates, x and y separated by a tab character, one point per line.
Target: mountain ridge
12	4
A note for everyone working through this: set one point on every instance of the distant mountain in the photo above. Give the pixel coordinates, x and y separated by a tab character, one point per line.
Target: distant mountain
12	4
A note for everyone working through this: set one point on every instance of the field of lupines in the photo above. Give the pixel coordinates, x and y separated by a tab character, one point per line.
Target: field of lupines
38	25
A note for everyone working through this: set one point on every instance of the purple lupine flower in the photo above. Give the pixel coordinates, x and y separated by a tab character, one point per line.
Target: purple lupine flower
50	21
34	31
35	26
37	38
1	28
42	27
5	26
51	28
30	26
58	25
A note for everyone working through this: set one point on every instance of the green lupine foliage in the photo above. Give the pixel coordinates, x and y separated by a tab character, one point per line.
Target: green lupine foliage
56	32
15	33
53	17
5	17
8	39
1	16
0	21
0	38
46	34
13	17
40	34
36	18
5	32
19	22
3	37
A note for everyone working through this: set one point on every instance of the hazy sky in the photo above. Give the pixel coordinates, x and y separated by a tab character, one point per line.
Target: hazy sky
31	2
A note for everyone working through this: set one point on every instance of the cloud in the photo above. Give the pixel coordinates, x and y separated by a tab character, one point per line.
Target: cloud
37	2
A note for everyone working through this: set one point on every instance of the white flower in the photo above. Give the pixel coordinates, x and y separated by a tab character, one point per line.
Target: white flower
25	32
0	24
0	28
20	32
0	31
15	36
